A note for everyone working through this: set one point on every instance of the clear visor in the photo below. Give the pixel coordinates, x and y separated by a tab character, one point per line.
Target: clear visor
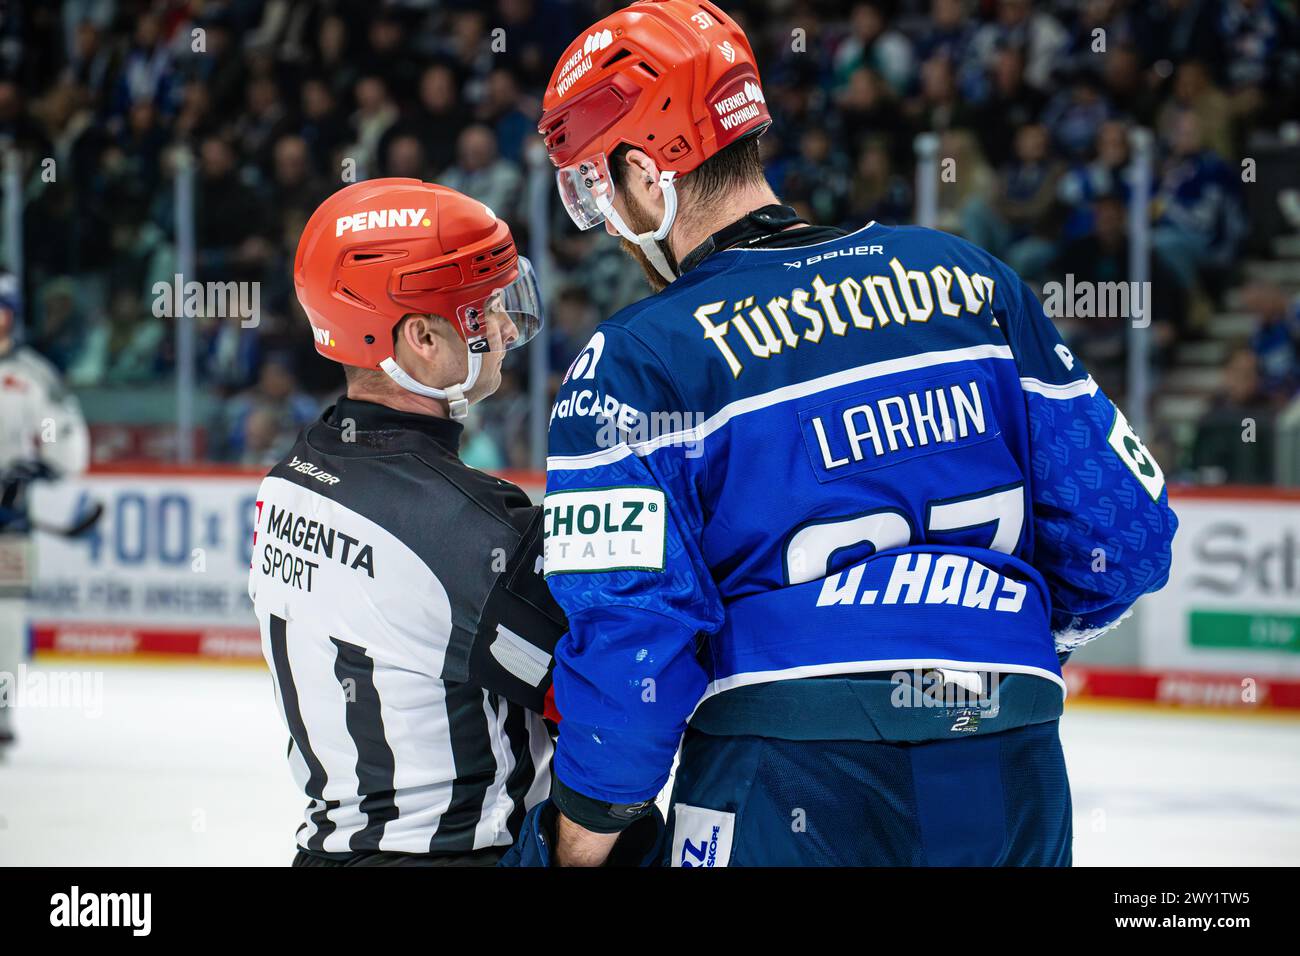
581	185
515	310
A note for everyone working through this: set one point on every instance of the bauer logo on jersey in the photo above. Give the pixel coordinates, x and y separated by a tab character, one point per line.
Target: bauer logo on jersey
1134	454
604	529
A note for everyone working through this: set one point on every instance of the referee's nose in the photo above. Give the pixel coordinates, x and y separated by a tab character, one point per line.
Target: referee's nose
506	328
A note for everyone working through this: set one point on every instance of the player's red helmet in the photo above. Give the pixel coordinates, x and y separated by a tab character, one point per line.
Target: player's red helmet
382	249
674	78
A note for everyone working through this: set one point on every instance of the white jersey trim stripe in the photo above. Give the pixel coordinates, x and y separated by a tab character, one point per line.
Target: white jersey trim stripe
777	396
862	667
820	670
1069	390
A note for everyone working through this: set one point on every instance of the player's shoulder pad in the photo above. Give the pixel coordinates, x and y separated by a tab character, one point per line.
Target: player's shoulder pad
1025	321
615	388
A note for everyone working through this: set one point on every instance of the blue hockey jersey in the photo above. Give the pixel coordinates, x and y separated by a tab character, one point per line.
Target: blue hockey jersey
869	454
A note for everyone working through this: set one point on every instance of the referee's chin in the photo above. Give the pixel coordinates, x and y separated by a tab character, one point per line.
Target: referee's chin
489	377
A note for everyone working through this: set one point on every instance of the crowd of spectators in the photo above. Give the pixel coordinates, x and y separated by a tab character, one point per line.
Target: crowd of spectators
283	101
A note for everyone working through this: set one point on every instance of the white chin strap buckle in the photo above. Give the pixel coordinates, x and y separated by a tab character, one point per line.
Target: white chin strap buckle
649	241
457	403
453	395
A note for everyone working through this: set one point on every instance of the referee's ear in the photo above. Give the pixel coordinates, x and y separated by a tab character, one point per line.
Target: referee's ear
428	347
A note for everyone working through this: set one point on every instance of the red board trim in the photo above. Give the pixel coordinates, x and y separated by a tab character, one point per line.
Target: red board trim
1173	689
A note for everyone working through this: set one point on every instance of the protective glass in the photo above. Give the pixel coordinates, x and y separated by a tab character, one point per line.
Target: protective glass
520	301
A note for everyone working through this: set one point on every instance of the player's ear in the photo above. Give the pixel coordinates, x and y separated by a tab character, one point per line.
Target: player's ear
642	173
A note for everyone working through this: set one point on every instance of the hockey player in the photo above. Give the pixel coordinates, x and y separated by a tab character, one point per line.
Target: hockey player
399	591
42	436
832	506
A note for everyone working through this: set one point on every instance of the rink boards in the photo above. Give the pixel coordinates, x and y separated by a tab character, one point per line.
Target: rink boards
163	576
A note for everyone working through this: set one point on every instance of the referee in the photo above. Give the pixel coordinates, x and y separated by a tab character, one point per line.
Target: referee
398	591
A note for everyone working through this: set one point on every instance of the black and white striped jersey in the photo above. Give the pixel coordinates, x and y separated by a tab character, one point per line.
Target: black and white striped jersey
409	631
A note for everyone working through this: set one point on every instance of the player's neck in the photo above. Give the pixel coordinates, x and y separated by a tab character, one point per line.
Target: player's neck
694	225
399	400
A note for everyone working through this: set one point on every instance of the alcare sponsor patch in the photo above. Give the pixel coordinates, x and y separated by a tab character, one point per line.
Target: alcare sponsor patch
701	837
604	529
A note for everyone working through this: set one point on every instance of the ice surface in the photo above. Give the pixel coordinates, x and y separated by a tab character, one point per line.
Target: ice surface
185	764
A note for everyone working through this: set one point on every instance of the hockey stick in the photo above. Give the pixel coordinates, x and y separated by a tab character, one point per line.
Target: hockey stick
79	527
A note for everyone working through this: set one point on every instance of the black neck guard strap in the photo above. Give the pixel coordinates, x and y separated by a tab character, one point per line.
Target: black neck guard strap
745	231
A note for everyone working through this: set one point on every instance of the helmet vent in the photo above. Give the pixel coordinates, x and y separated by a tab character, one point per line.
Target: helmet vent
667	102
374	255
344	292
620	55
654	74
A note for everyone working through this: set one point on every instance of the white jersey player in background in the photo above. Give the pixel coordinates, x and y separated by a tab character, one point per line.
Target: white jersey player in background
42	435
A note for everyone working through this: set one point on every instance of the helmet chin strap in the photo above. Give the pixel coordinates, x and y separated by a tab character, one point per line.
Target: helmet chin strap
453	395
648	241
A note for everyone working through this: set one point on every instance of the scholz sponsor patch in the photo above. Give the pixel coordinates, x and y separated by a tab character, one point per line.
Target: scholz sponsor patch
604	529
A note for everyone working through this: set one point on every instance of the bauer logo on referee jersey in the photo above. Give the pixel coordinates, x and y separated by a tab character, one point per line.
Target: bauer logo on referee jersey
604	529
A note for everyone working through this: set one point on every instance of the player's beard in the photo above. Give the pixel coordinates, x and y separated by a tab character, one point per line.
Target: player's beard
641	221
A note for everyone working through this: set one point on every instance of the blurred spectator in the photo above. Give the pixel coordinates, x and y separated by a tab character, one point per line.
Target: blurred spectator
871	42
1011	104
263	121
1128	86
1276	341
148	75
948	33
290	99
865	108
295	186
1200	223
818	177
271	414
938	106
481	173
322	125
333	53
1038	33
1196	94
1076	113
1235	441
1101	256
1024	213
502	111
878	193
17	127
573	319
60	331
1106	173
375	113
404	157
230	219
263	440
